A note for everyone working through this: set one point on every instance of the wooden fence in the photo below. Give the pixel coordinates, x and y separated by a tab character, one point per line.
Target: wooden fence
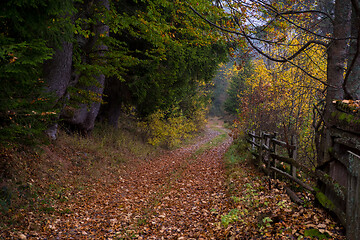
332	193
343	165
270	153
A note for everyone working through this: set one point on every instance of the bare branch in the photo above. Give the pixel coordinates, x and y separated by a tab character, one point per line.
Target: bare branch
308	74
249	39
308	11
274	10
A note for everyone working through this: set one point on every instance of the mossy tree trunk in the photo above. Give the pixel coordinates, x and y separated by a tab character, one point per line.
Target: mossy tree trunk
337	56
83	118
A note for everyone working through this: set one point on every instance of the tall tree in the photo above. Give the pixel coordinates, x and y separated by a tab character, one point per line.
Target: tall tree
169	58
29	31
283	21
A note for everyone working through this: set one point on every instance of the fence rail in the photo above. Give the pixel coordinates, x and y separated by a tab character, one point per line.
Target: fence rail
342	199
265	147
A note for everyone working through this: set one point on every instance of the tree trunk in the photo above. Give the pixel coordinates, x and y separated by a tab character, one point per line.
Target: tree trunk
83	118
337	57
352	85
57	74
116	94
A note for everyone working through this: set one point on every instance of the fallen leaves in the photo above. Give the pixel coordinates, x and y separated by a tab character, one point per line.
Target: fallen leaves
182	194
270	212
348	105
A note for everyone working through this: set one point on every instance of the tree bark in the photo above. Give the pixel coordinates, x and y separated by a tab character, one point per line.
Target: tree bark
83	118
57	74
352	85
337	57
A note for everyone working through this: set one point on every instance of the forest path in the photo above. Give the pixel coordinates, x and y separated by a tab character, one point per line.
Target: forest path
187	193
179	195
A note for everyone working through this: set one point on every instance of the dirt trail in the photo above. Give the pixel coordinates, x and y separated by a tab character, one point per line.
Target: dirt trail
179	195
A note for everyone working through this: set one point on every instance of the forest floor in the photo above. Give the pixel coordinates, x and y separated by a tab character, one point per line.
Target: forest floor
199	191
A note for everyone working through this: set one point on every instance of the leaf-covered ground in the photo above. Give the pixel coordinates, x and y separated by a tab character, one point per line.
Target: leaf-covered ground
188	193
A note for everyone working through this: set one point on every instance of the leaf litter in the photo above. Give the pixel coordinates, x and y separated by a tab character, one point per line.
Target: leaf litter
182	194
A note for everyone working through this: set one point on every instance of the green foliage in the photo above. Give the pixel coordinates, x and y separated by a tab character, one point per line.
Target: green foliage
173	50
237	88
231	217
267	221
316	233
238	152
27	28
160	50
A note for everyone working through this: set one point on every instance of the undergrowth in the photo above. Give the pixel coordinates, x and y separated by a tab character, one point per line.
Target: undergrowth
171	128
35	181
260	207
212	143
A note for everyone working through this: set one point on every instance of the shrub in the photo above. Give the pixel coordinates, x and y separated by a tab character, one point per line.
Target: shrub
168	128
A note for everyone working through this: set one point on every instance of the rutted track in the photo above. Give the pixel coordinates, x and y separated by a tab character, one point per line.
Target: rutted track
179	195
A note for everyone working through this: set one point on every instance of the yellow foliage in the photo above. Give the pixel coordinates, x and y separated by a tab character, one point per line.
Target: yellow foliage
168	131
169	128
281	97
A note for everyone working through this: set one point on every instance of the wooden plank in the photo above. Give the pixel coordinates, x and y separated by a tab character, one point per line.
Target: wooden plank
269	135
344	159
292	178
254	143
353	197
266	148
335	132
293	196
335	186
348	122
253	139
354	164
285	159
338	189
254	135
283	144
349	142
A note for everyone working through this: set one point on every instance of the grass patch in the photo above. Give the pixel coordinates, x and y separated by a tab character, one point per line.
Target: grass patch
40	182
235	156
114	143
212	143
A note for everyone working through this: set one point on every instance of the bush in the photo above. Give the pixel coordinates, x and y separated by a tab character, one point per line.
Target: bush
168	129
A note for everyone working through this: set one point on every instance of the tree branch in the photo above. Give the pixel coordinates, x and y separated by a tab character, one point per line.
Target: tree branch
248	38
308	74
308	11
274	10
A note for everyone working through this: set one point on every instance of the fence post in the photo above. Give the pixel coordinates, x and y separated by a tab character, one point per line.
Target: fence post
267	154
293	156
261	152
274	151
353	197
253	140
